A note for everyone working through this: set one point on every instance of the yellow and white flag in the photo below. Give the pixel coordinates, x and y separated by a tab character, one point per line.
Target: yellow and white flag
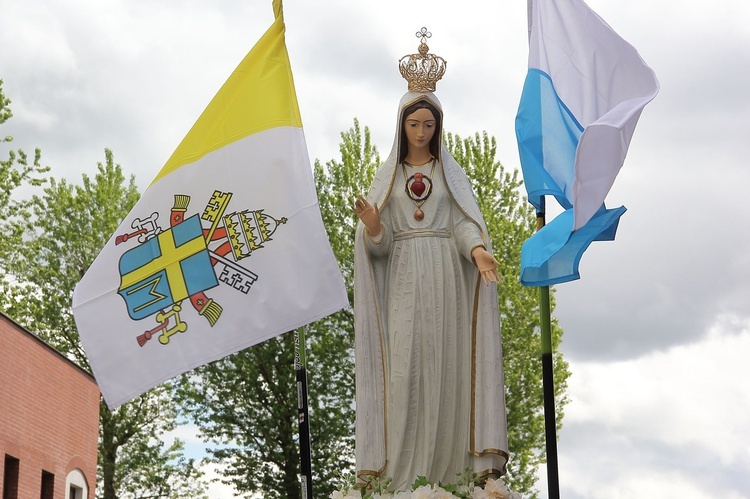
225	249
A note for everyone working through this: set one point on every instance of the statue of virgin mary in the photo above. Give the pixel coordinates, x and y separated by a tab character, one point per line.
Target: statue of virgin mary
428	350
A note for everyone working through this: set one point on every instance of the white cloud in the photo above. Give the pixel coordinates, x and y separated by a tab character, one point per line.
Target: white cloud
216	489
664	425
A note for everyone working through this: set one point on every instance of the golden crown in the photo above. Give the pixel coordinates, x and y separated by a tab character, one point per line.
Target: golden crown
422	70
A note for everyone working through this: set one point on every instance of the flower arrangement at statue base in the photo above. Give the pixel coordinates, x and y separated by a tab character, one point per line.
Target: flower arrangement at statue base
465	488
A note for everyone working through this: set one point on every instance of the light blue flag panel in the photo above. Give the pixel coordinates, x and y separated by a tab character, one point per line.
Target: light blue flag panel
548	136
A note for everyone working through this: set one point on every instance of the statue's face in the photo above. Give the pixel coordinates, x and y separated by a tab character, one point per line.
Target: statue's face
420	127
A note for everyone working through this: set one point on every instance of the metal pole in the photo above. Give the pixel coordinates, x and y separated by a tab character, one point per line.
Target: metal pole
548	383
304	415
548	380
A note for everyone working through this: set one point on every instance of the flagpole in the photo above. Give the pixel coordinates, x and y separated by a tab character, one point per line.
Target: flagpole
304	415
548	380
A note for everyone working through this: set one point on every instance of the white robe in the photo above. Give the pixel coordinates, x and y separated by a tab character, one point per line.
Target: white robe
430	395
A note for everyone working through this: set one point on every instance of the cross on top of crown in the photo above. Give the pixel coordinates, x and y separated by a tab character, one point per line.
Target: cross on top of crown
423	33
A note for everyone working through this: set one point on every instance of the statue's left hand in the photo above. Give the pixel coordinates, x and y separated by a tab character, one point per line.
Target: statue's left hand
487	265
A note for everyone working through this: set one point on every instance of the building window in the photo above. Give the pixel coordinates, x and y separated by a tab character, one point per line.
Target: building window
10	478
75	492
48	485
75	485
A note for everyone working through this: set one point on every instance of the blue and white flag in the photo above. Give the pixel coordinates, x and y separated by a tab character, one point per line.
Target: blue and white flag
584	92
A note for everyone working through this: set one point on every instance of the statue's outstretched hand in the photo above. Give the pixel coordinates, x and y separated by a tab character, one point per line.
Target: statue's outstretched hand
487	265
369	214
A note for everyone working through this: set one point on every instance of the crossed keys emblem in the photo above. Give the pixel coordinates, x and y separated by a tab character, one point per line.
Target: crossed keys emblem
181	263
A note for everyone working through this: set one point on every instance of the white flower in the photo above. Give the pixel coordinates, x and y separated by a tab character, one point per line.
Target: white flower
402	495
494	489
422	492
497	486
441	493
346	494
480	493
428	492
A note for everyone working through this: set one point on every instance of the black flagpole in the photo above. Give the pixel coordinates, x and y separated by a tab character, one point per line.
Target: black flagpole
548	380
304	415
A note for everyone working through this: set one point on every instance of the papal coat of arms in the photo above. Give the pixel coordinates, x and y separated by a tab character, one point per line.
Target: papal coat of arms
195	254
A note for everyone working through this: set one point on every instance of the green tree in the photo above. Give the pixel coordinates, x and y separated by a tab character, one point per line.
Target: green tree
66	227
338	183
16	174
511	221
135	462
246	403
47	243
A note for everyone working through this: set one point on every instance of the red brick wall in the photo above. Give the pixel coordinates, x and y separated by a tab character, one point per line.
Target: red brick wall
49	413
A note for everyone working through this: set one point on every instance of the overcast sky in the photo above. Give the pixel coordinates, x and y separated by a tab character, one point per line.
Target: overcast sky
657	331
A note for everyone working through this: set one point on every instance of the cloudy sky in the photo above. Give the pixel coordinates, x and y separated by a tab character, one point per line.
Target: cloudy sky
657	331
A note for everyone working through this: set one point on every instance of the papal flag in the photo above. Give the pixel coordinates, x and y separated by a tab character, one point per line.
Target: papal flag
225	249
584	92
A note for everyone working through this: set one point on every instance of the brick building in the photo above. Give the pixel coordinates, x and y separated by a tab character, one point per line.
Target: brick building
49	420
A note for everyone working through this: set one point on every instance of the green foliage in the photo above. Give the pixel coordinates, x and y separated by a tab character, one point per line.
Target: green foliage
338	184
246	404
67	227
511	221
134	460
462	487
16	175
5	112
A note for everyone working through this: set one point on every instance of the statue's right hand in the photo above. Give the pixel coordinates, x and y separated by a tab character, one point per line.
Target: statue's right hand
369	214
